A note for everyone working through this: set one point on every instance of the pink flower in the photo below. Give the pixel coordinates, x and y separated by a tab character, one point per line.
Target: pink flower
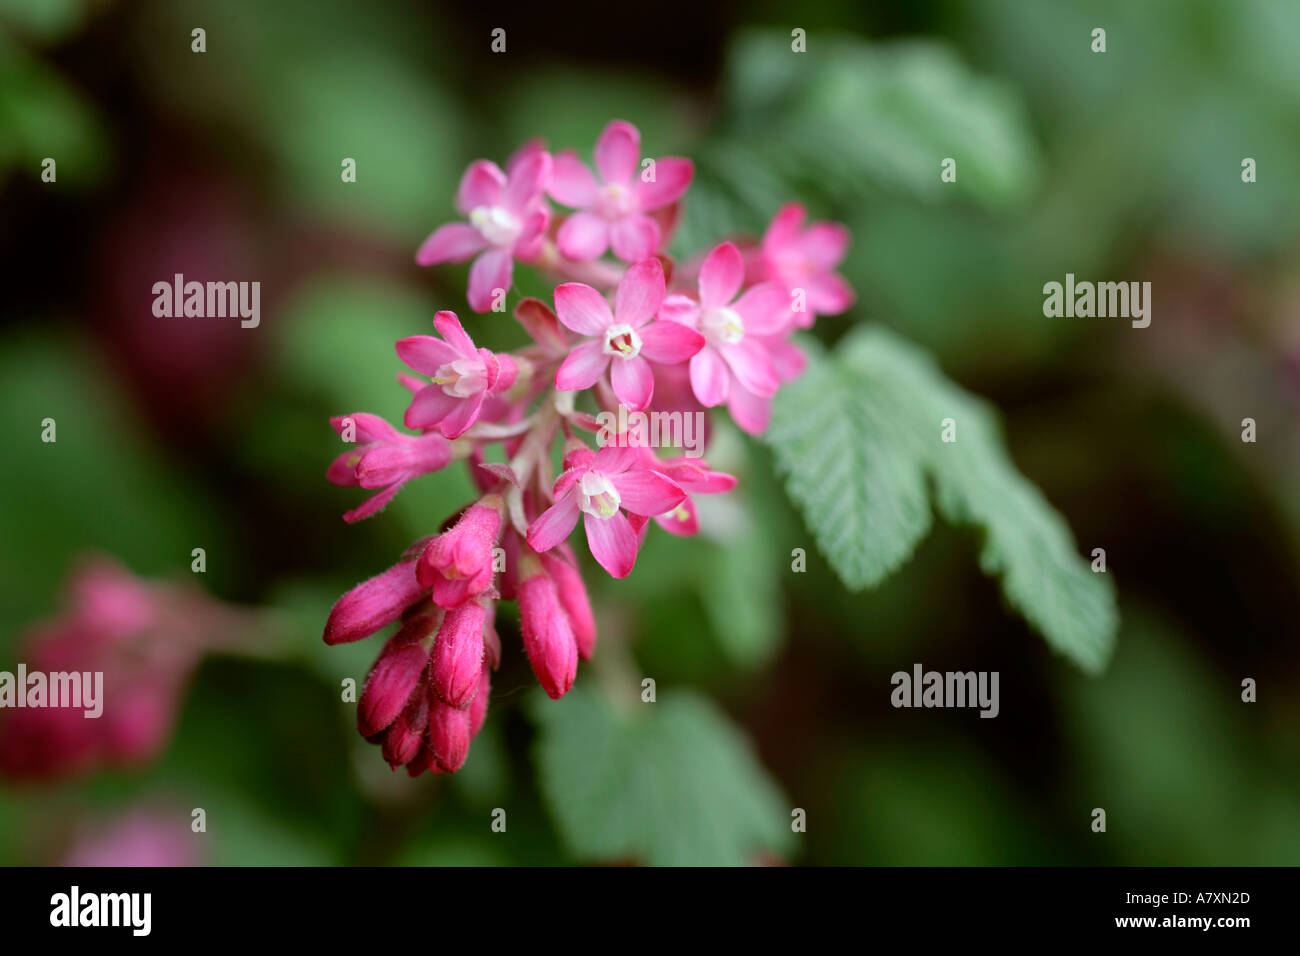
561	565
507	220
384	458
694	477
143	640
735	365
457	564
463	376
613	210
621	338
806	259
601	486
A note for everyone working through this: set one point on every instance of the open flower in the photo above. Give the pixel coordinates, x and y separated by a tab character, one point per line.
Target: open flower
613	209
805	259
735	363
620	339
694	477
462	377
383	458
507	219
604	487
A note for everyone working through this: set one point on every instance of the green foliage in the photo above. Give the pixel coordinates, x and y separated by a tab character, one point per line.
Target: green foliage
672	783
851	119
859	435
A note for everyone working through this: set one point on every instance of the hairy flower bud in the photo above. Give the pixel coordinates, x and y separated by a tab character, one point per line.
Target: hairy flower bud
458	654
548	636
395	674
457	564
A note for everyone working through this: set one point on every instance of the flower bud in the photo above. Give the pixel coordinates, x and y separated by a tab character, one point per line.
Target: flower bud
373	604
395	675
458	654
479	707
572	593
449	735
548	637
457	564
402	742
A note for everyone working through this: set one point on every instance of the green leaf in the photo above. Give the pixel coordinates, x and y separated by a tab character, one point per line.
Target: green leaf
858	437
672	783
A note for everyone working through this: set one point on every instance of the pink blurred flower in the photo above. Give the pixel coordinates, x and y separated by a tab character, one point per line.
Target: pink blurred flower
383	458
805	259
601	486
613	209
507	220
621	340
144	640
736	364
142	837
463	376
694	477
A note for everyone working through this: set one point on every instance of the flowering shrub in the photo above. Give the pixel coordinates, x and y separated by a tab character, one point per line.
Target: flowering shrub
636	335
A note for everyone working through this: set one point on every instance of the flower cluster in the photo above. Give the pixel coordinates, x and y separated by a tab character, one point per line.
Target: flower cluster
628	331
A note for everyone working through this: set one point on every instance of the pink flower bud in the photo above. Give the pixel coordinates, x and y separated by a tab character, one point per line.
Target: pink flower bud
457	564
402	742
373	604
458	654
479	707
548	637
572	593
449	735
395	675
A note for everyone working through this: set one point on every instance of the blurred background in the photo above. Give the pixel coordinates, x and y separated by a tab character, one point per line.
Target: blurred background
174	435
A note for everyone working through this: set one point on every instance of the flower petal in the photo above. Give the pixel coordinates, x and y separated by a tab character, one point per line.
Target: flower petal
640	293
617	152
448	325
710	378
481	185
751	412
751	365
527	181
572	183
669	342
634	238
613	543
452	242
425	354
583	236
681	521
582	309
430	406
647	493
372	505
582	368
824	244
553	525
721	273
829	294
680	308
633	381
492	270
462	416
765	309
672	177
783	231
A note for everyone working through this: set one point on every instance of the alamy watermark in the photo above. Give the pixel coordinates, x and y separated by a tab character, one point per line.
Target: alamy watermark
62	689
181	299
683	430
1123	300
946	689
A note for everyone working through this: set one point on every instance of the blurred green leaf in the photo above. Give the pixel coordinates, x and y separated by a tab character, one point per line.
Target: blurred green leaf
673	784
857	437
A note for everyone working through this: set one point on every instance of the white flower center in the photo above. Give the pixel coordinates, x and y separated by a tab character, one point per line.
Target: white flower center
461	377
597	495
615	201
722	325
621	340
495	225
